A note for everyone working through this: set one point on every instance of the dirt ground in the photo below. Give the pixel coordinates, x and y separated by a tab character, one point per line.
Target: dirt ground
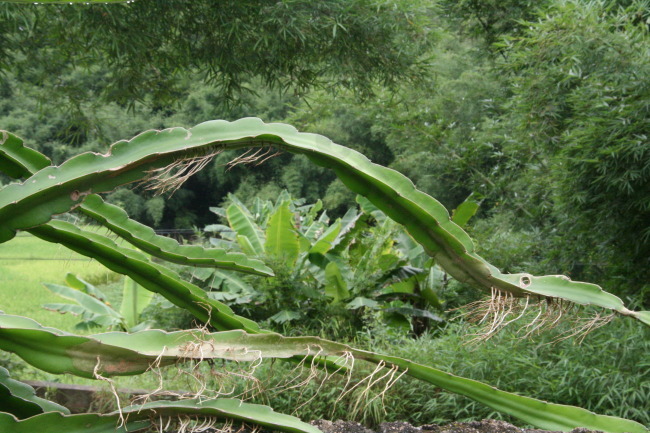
485	426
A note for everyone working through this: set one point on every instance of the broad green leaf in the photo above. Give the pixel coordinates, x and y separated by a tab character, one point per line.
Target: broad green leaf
432	286
348	222
89	320
117	353
414	312
281	238
284	316
304	243
219	211
246	246
313	230
387	262
360	302
233	282
310	216
77	283
406	286
20	399
325	242
369	208
75	310
241	222
134	300
216	228
201	274
222	243
336	287
89	303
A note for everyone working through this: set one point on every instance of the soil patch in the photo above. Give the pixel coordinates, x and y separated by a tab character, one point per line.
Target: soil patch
485	426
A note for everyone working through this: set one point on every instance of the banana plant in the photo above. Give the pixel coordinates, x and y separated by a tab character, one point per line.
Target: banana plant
94	309
164	157
289	234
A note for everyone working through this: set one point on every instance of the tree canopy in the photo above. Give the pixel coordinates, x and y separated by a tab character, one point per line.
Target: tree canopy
140	49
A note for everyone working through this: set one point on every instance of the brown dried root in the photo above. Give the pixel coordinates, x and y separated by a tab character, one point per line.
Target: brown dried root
172	177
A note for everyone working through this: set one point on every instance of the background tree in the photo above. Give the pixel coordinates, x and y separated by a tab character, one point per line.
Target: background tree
140	50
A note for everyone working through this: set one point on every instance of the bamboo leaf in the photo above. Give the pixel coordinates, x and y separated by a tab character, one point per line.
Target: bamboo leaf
67	1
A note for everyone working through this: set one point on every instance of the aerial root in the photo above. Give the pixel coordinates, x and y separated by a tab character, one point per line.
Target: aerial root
195	424
111	383
258	157
172	177
495	313
585	326
206	383
342	361
155	368
383	373
502	309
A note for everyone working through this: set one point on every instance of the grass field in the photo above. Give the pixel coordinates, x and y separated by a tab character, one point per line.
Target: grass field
25	263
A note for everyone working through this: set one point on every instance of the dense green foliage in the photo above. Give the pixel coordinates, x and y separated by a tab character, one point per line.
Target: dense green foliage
585	372
139	50
550	133
538	110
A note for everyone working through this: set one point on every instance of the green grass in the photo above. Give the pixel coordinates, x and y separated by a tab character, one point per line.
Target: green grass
23	270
